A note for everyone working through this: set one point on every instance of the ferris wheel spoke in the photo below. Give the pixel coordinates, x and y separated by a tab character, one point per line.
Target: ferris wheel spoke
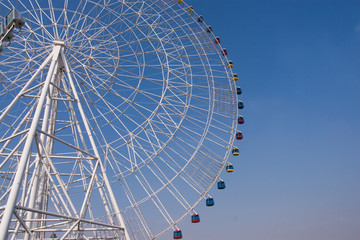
101	114
134	108
170	164
92	114
193	178
154	198
135	206
165	181
94	22
89	12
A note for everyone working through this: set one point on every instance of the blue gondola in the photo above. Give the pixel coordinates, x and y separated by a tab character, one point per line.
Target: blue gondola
238	91
229	168
241	120
200	19
221	184
240	105
177	234
195	218
210	202
209	29
239	136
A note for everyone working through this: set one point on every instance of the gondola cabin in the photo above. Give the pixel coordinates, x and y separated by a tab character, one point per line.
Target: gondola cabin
235	152
177	234
209	29
210	202
235	77
217	40
14	18
180	1
224	52
240	105
241	120
221	185
191	10
200	19
195	218
239	136
229	168
230	64
238	91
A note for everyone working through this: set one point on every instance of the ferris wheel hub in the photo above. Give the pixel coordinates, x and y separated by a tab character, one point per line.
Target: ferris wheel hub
59	42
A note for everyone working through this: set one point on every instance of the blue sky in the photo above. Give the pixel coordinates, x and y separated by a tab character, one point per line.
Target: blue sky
297	177
298	173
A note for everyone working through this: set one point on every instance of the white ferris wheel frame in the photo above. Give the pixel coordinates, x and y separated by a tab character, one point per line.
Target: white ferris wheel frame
59	65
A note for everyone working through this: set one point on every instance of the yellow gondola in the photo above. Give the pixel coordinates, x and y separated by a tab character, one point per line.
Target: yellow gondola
235	77
191	10
235	152
230	64
229	168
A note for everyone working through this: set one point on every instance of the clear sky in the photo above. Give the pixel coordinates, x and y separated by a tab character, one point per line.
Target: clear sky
298	175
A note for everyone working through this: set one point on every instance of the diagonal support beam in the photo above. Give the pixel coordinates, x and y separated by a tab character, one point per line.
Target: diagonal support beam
24	224
93	145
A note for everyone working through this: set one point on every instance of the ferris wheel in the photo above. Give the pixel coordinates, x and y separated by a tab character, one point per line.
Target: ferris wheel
117	117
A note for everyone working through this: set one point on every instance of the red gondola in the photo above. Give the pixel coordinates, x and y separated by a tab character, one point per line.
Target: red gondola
241	120
217	40
224	52
239	136
195	218
177	234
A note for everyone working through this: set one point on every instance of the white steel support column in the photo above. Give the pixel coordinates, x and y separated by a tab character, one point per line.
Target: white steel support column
44	126
10	206
93	145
